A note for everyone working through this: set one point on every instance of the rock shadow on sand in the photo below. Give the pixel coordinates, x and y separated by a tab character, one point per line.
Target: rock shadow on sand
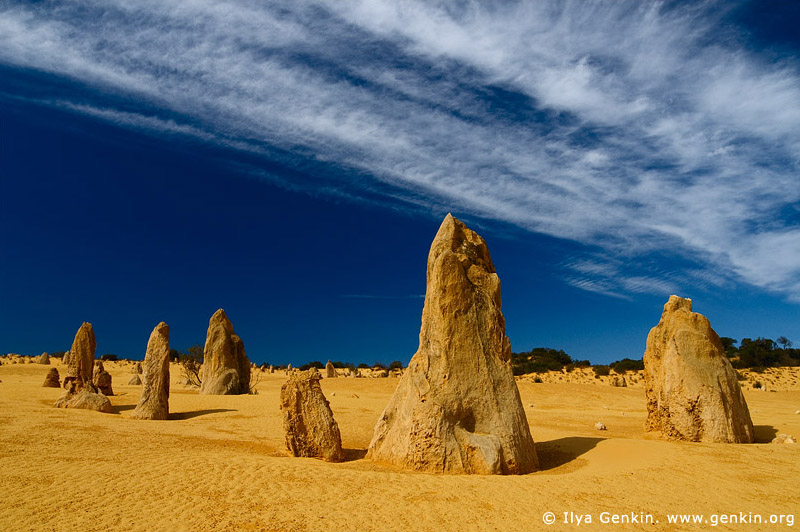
197	413
351	455
556	453
121	408
764	433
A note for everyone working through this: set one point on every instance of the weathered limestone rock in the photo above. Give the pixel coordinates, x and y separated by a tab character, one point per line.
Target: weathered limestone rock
457	407
692	390
102	379
67	358
226	369
330	371
80	390
308	421
154	401
81	359
135	380
136	369
600	426
86	398
784	438
44	358
52	380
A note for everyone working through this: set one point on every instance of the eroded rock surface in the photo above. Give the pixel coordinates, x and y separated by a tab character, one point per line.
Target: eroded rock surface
102	379
52	380
87	398
457	408
692	390
154	401
226	369
80	363
308	422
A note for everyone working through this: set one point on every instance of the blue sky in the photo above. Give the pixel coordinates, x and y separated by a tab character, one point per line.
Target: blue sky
291	163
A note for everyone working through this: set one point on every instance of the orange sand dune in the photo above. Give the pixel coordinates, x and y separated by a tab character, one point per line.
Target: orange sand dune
220	464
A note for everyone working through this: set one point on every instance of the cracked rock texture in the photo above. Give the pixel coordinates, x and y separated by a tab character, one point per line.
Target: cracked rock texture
692	390
457	407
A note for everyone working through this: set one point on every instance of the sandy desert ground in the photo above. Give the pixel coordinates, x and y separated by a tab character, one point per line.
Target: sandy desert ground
220	464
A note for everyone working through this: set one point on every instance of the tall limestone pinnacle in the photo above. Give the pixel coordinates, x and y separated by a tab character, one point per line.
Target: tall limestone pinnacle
457	408
226	368
154	401
692	390
80	365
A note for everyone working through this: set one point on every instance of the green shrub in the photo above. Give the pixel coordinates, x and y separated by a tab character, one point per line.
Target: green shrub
601	371
627	364
541	360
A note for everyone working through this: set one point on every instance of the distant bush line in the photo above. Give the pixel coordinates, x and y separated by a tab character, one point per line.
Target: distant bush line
761	353
544	359
751	354
349	365
193	357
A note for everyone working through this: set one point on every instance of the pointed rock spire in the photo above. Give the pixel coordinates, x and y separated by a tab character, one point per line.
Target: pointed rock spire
154	401
457	407
226	369
81	360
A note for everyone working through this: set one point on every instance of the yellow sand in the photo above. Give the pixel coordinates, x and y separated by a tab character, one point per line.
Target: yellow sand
220	464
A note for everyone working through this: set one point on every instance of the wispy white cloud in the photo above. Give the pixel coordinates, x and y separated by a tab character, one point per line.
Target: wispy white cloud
635	127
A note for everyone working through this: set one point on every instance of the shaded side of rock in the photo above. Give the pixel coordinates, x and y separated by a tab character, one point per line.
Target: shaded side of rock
135	380
692	390
52	380
102	379
154	401
457	408
308	422
226	369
